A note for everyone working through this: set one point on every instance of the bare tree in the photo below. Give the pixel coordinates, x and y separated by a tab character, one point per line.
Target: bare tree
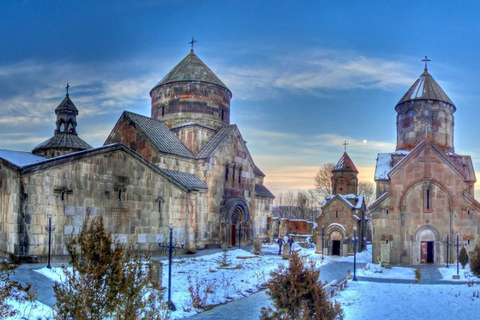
323	180
285	205
368	190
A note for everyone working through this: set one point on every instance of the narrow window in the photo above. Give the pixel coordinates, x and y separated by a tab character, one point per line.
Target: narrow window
223	114
336	214
428	199
226	173
386	211
163	111
120	195
468	241
160	206
468	211
240	175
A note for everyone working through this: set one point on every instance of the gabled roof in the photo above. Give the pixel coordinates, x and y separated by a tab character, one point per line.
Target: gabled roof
158	133
63	140
261	190
384	164
213	143
190	181
345	164
441	154
425	88
257	171
359	200
20	158
191	68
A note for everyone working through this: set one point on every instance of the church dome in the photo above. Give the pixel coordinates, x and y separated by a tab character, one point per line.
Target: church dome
191	68
191	93
65	139
425	88
425	112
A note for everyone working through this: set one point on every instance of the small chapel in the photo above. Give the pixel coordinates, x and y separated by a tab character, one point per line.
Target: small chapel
425	191
184	165
342	221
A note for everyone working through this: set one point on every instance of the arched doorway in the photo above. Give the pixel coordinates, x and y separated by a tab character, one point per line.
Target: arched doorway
336	237
427	245
336	243
237	226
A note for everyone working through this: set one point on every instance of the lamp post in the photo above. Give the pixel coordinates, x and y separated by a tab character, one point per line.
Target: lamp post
458	243
448	247
171	305
49	228
323	240
355	253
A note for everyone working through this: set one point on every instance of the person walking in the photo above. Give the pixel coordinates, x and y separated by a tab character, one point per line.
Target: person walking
290	241
280	242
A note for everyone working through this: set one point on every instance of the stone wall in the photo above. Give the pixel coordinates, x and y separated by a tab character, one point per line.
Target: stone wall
116	185
10	206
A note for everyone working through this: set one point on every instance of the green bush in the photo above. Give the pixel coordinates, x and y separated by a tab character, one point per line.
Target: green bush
463	257
108	279
296	293
475	262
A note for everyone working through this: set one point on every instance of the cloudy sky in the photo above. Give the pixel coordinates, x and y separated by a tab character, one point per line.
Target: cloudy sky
305	75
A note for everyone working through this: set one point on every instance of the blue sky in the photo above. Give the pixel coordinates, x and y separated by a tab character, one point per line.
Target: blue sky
305	75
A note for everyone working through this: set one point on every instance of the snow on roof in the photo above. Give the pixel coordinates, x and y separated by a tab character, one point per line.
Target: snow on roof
20	158
338	225
348	199
384	164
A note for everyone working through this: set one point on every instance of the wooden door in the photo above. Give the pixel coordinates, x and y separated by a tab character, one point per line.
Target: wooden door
424	252
232	234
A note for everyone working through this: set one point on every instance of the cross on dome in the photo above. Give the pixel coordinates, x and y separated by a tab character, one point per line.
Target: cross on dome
345	144
191	43
426	60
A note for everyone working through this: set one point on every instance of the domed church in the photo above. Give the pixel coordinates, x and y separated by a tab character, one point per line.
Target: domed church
185	165
425	191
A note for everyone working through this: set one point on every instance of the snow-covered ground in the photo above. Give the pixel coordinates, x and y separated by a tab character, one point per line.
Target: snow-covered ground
246	272
371	300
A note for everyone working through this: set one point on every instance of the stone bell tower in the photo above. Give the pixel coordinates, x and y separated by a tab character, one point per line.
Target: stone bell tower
65	139
344	176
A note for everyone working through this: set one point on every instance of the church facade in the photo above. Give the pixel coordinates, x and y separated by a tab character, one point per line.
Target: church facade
425	191
185	165
343	213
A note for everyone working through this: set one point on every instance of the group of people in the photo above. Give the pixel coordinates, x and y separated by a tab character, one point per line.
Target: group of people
281	241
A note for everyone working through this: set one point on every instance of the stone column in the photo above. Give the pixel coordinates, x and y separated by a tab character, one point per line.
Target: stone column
156	269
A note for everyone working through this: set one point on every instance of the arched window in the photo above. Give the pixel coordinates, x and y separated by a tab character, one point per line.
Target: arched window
336	214
223	114
163	111
226	172
240	175
427	200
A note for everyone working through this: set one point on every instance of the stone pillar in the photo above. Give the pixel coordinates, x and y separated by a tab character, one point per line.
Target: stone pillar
156	269
257	246
286	250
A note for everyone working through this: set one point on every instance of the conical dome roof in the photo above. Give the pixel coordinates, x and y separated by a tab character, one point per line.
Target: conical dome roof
66	104
191	68
425	88
345	164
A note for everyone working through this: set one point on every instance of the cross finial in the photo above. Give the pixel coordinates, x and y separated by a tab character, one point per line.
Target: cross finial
68	86
191	43
345	144
426	60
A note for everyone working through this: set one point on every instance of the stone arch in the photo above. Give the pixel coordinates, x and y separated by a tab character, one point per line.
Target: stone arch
427	247
336	235
236	220
414	184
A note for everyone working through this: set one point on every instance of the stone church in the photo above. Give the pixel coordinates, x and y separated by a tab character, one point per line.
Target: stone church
425	191
343	213
184	164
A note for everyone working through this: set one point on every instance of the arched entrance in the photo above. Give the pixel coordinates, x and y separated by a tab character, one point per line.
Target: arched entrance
237	226
336	243
336	238
427	246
